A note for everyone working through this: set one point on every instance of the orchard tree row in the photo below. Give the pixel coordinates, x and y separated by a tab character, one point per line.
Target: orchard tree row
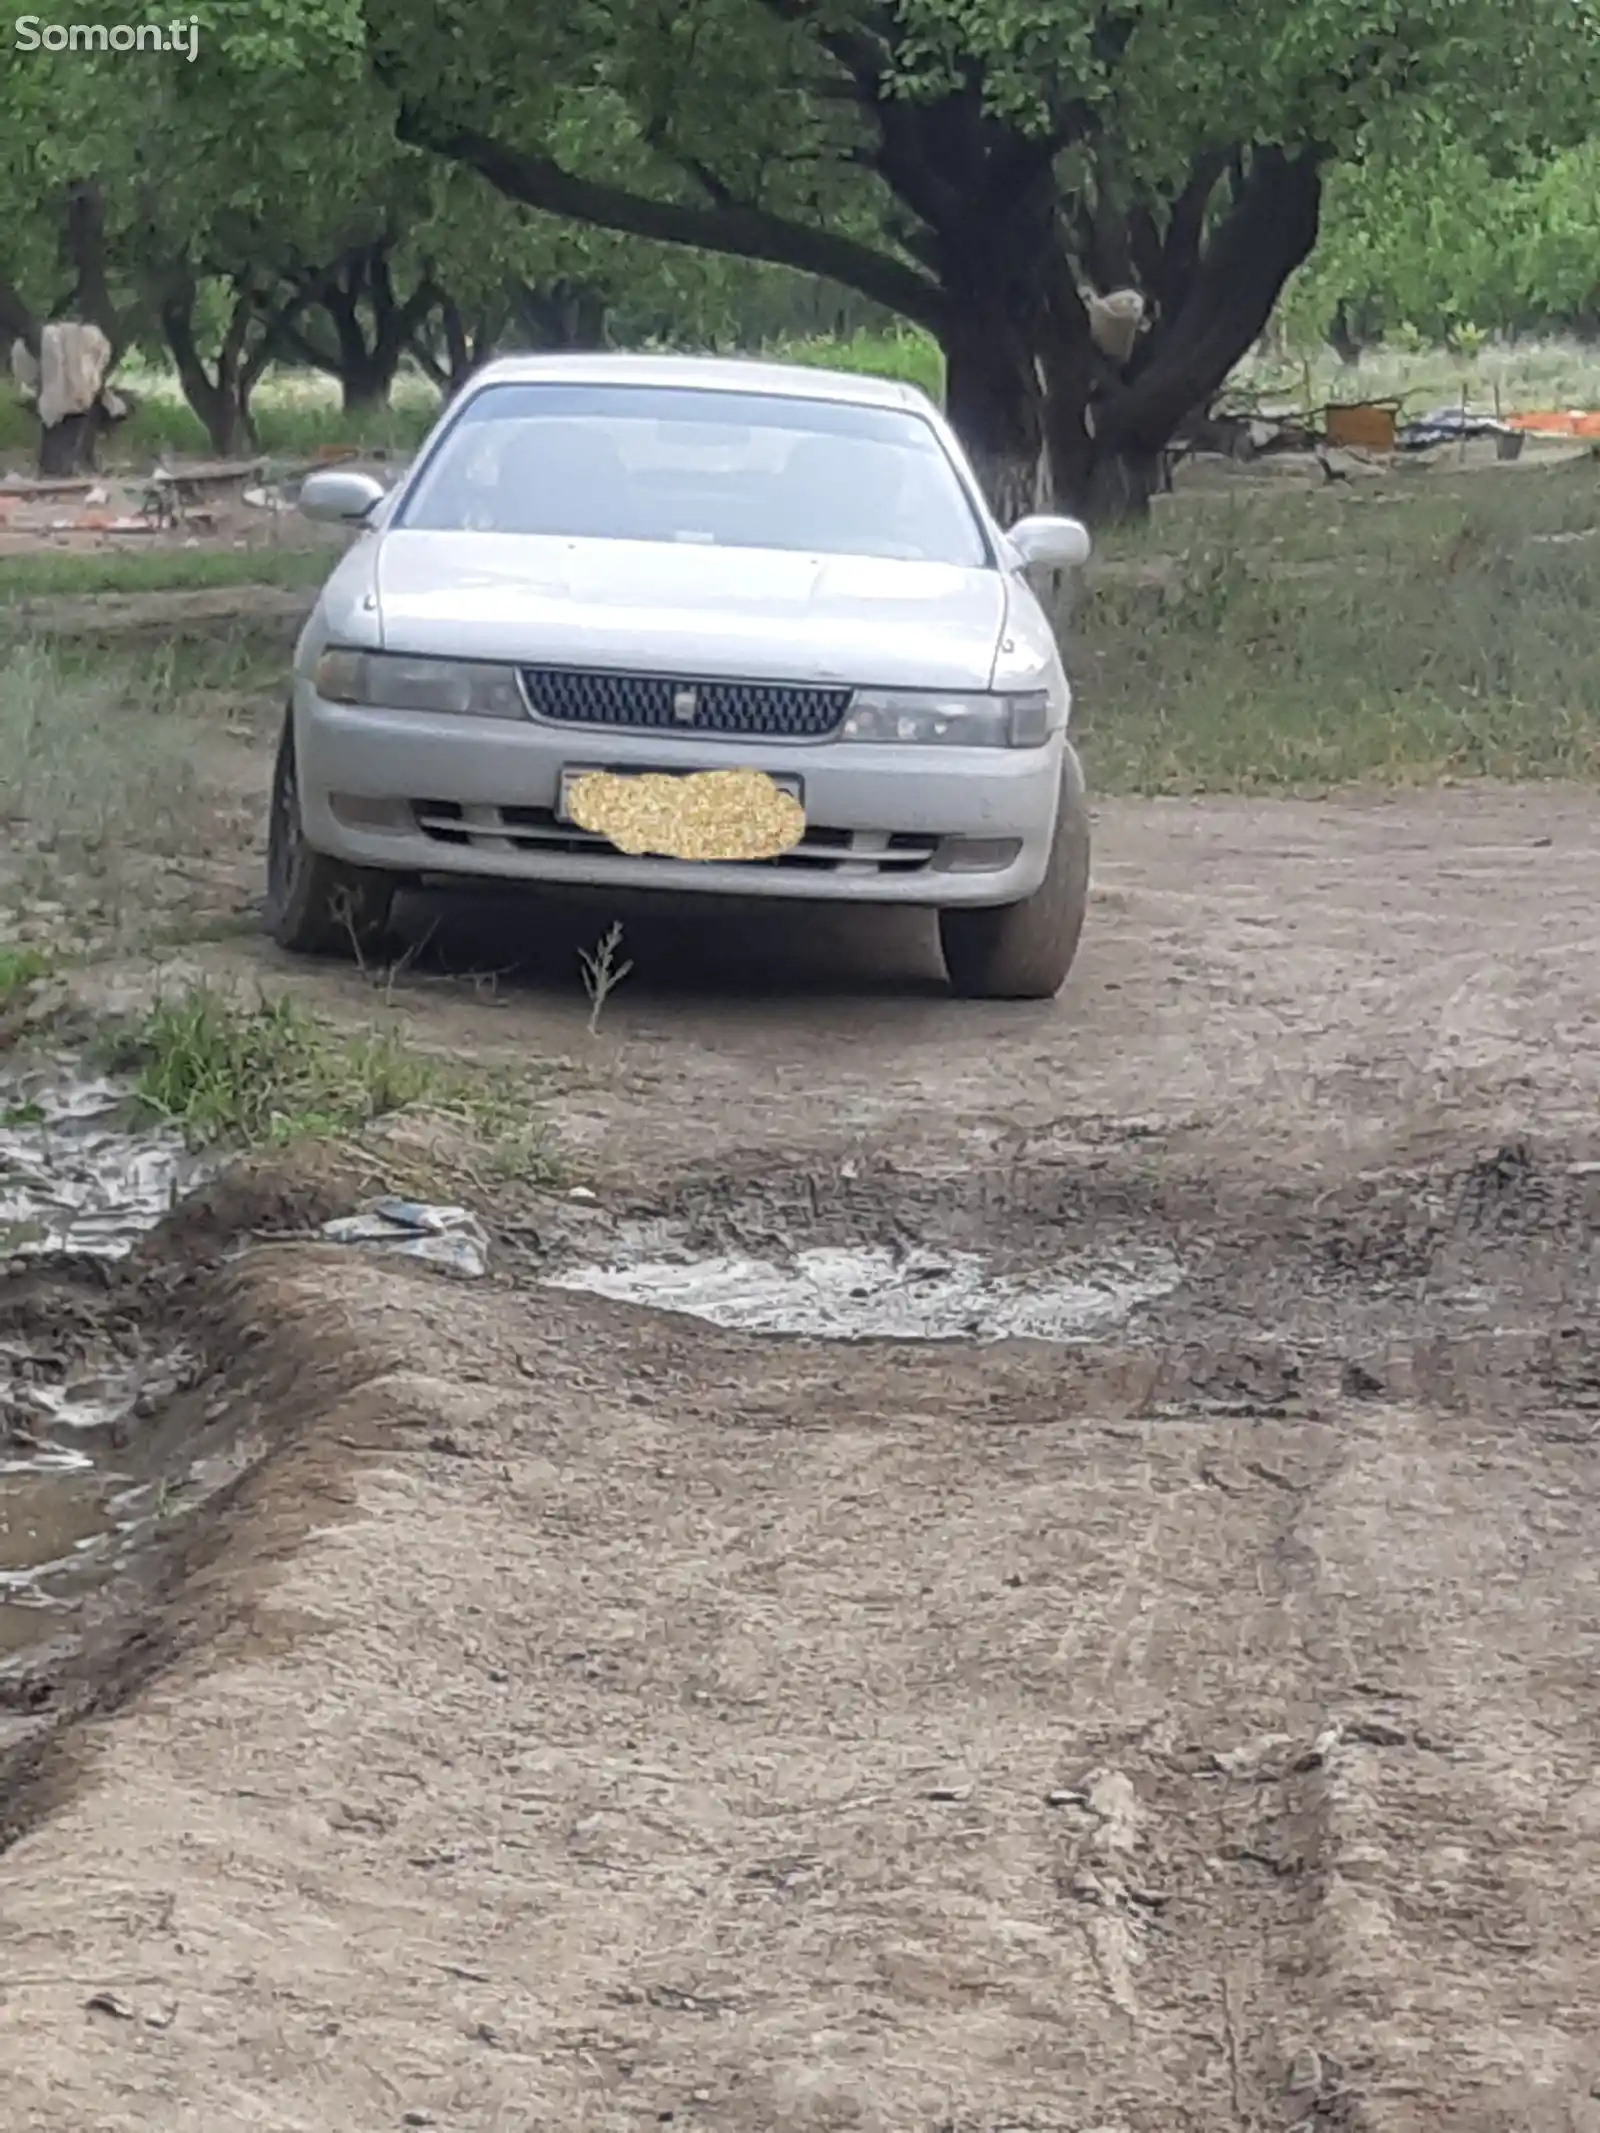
240	215
348	183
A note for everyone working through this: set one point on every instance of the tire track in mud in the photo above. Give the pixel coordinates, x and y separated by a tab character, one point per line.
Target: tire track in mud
1367	1858
1454	1562
1414	1952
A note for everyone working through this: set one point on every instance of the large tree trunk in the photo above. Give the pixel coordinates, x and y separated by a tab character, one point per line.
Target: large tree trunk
1120	484
72	446
1025	394
1222	303
364	367
365	385
993	256
85	252
994	400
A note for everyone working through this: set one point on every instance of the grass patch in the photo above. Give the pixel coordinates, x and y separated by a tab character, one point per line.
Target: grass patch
1375	634
59	574
1516	375
232	1076
94	766
913	358
294	414
243	1076
20	968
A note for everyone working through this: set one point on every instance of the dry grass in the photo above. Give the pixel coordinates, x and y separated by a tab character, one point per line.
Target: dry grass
1521	374
1398	631
96	769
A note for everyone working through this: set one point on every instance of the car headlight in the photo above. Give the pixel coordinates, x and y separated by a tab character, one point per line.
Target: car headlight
392	682
931	717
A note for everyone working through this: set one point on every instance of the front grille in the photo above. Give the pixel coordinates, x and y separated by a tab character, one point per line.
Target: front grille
656	703
537	829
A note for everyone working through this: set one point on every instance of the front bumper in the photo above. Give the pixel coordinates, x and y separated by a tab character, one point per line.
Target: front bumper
439	796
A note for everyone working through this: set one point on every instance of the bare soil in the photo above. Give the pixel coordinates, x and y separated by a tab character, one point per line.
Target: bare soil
568	1714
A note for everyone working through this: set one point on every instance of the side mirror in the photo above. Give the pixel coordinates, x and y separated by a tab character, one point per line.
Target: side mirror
338	496
1051	543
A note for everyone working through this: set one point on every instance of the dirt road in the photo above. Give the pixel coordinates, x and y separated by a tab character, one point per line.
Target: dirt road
582	1716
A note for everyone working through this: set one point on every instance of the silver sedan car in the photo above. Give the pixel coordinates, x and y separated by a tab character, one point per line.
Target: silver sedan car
657	566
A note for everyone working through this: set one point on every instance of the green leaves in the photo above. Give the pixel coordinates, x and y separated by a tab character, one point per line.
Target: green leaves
276	147
1438	238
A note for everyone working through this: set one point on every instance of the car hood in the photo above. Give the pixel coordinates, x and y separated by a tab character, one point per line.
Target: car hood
698	611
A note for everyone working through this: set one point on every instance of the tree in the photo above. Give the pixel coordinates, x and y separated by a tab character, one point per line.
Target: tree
275	206
1444	242
979	166
76	211
252	201
56	256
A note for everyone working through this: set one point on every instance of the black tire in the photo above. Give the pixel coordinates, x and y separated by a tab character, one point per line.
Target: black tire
1024	951
315	905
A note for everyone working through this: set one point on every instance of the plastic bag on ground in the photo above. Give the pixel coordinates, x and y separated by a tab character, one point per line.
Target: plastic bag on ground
448	1237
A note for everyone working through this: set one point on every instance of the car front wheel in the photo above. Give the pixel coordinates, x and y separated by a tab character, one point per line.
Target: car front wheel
316	905
1023	951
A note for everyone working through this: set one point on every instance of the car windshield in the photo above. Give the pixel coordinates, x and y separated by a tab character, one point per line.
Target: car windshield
715	468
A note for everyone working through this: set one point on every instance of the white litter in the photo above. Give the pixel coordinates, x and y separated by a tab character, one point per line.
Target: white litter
451	1238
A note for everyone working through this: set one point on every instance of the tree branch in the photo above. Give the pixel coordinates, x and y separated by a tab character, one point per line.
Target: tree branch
861	54
295	342
1268	232
1167	261
739	232
656	137
84	241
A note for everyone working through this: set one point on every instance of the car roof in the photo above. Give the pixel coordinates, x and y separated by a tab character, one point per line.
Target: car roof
798	381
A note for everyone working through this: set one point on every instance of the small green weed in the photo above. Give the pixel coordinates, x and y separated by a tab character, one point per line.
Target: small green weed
602	973
231	1075
19	969
242	1076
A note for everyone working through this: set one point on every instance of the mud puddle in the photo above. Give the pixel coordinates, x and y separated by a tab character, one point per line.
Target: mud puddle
872	1292
75	1179
50	1538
